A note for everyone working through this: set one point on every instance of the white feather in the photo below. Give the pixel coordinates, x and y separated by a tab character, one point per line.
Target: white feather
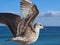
26	9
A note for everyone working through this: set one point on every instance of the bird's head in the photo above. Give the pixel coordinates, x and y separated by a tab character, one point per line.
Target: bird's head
39	26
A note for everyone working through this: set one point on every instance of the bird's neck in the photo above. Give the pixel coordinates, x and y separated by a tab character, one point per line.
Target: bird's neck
37	29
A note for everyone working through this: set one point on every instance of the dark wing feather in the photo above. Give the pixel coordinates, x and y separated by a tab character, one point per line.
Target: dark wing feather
31	18
11	20
26	11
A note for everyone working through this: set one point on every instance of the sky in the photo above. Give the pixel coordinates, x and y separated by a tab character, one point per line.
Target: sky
49	10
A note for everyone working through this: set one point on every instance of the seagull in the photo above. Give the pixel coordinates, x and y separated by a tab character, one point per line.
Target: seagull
22	29
29	36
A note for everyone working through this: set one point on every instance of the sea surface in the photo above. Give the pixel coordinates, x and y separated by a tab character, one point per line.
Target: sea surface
49	37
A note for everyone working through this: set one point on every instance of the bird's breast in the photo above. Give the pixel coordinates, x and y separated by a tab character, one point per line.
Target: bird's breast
33	37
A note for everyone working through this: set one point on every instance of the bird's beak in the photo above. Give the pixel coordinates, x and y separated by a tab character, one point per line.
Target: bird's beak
44	29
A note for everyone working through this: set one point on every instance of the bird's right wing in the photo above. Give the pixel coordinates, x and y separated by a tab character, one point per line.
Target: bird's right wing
26	8
31	18
30	12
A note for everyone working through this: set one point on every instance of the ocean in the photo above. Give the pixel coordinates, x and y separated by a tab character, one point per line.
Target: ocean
49	37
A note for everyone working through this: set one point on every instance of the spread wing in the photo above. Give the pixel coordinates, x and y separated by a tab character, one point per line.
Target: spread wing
30	19
29	11
11	20
26	8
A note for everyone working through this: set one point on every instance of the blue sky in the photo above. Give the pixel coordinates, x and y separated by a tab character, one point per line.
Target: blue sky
49	5
44	6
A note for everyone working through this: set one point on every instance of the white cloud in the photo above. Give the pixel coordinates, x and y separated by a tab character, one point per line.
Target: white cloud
50	13
49	18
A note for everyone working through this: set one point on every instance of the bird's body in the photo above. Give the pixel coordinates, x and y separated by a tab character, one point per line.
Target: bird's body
29	36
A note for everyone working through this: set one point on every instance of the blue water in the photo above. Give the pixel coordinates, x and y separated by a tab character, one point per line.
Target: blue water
49	37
